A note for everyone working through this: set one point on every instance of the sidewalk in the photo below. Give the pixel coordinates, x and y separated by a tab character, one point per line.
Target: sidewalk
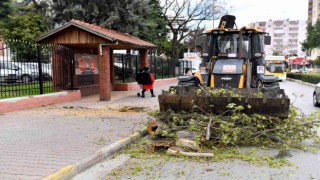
38	142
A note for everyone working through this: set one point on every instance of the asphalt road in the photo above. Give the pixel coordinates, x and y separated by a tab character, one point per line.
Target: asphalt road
300	95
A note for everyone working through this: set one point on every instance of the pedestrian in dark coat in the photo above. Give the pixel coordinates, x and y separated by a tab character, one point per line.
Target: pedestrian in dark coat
139	81
147	82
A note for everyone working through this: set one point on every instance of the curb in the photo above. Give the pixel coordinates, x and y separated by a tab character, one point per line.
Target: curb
301	82
69	171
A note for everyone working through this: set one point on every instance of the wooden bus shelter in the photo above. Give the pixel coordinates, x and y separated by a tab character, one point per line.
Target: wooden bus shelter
92	48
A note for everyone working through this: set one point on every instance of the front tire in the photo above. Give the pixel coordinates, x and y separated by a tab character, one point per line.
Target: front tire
315	101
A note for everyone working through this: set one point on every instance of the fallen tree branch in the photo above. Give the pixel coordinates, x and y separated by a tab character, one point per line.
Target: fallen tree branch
186	143
208	129
191	135
154	128
174	151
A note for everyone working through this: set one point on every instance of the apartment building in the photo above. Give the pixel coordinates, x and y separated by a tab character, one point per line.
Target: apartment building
313	16
313	11
286	36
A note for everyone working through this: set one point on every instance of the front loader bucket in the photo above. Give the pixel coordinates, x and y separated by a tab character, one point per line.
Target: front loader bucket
186	100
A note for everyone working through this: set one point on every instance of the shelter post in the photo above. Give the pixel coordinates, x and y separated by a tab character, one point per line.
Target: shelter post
144	58
104	75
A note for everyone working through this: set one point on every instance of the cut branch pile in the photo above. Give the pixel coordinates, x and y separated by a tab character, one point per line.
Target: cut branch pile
235	129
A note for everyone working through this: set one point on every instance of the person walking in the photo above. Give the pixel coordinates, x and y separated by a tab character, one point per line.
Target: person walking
147	82
139	81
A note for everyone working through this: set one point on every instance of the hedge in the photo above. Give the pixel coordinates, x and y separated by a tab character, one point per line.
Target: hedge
310	78
294	75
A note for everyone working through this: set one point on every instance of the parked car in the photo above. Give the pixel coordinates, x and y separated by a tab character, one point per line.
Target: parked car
304	69
316	71
295	71
25	72
8	75
316	96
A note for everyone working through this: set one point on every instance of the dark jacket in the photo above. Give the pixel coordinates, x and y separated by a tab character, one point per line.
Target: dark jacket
146	78
139	77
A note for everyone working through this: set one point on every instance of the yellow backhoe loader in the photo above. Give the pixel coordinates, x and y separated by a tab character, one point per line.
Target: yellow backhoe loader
232	72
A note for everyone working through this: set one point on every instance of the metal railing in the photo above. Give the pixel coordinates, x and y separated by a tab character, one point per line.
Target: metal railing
126	66
26	69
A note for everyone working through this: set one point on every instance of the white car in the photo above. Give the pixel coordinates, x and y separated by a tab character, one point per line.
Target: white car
295	71
25	72
7	75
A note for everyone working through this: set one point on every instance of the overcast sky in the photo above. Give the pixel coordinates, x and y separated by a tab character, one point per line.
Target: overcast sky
247	11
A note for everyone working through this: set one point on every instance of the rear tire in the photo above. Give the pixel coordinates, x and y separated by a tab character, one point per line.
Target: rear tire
315	101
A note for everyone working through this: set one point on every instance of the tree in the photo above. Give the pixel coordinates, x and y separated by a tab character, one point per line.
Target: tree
87	10
191	39
41	7
5	10
156	23
26	25
140	18
313	37
189	14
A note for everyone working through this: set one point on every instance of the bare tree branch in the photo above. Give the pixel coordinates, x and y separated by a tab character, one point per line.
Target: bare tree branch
186	15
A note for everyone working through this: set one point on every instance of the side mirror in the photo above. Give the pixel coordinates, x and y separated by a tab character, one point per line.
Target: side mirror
267	40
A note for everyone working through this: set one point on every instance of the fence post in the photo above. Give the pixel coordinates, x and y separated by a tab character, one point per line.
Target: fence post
40	69
168	68
162	67
71	70
123	73
136	63
155	66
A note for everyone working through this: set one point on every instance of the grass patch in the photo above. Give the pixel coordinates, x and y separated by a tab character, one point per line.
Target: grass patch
19	90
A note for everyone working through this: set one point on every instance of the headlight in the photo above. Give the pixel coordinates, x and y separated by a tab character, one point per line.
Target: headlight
258	54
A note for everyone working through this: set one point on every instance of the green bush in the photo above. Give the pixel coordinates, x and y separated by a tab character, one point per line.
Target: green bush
294	75
311	78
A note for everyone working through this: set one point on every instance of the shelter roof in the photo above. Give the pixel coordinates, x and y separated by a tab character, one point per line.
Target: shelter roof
108	34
